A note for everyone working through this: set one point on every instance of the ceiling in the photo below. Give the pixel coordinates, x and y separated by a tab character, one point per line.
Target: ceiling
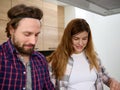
101	7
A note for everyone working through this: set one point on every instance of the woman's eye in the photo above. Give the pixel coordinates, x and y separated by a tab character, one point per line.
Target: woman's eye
85	38
75	38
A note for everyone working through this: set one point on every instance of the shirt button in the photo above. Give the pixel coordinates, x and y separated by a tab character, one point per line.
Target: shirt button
24	72
23	88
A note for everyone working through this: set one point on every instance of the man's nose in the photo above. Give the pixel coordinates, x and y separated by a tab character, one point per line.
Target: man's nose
33	40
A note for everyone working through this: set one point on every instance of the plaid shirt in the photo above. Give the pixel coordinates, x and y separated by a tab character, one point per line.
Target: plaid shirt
102	77
13	73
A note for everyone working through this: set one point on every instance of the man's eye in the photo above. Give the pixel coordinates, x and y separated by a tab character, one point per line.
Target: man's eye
27	34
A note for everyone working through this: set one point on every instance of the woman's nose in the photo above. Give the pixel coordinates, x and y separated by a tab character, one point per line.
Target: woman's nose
80	42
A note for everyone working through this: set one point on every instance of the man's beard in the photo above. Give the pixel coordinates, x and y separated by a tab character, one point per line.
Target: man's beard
21	49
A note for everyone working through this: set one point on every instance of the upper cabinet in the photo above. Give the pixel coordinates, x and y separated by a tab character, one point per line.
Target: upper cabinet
50	27
37	3
50	41
60	22
4	7
3	35
50	14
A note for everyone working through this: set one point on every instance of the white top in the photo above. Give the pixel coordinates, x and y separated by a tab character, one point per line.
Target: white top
81	78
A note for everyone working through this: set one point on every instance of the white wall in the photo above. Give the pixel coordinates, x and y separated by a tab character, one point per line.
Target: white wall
69	13
106	37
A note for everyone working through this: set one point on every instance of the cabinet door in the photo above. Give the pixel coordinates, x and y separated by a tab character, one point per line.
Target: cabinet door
60	16
60	22
60	34
4	7
3	35
39	45
37	3
50	36
50	14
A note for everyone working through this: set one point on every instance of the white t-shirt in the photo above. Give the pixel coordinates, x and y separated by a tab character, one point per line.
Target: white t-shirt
81	78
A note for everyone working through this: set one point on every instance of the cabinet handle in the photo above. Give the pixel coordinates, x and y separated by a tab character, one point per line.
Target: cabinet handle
52	48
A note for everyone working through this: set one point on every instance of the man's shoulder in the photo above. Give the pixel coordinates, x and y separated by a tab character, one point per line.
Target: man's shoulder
3	46
40	58
1	50
39	55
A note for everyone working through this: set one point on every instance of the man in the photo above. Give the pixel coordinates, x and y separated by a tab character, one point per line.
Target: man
22	68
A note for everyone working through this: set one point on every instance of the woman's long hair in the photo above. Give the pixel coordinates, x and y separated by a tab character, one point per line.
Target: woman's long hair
59	58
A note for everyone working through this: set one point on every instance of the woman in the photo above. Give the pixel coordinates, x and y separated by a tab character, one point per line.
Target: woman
75	64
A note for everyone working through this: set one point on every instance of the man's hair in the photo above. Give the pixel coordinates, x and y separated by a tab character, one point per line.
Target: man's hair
18	12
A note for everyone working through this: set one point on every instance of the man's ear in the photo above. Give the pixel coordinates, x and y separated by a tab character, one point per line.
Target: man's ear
11	30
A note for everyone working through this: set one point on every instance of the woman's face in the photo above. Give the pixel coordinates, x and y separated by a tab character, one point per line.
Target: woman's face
79	41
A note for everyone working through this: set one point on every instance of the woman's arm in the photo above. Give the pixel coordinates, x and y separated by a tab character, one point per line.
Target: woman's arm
114	84
109	81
